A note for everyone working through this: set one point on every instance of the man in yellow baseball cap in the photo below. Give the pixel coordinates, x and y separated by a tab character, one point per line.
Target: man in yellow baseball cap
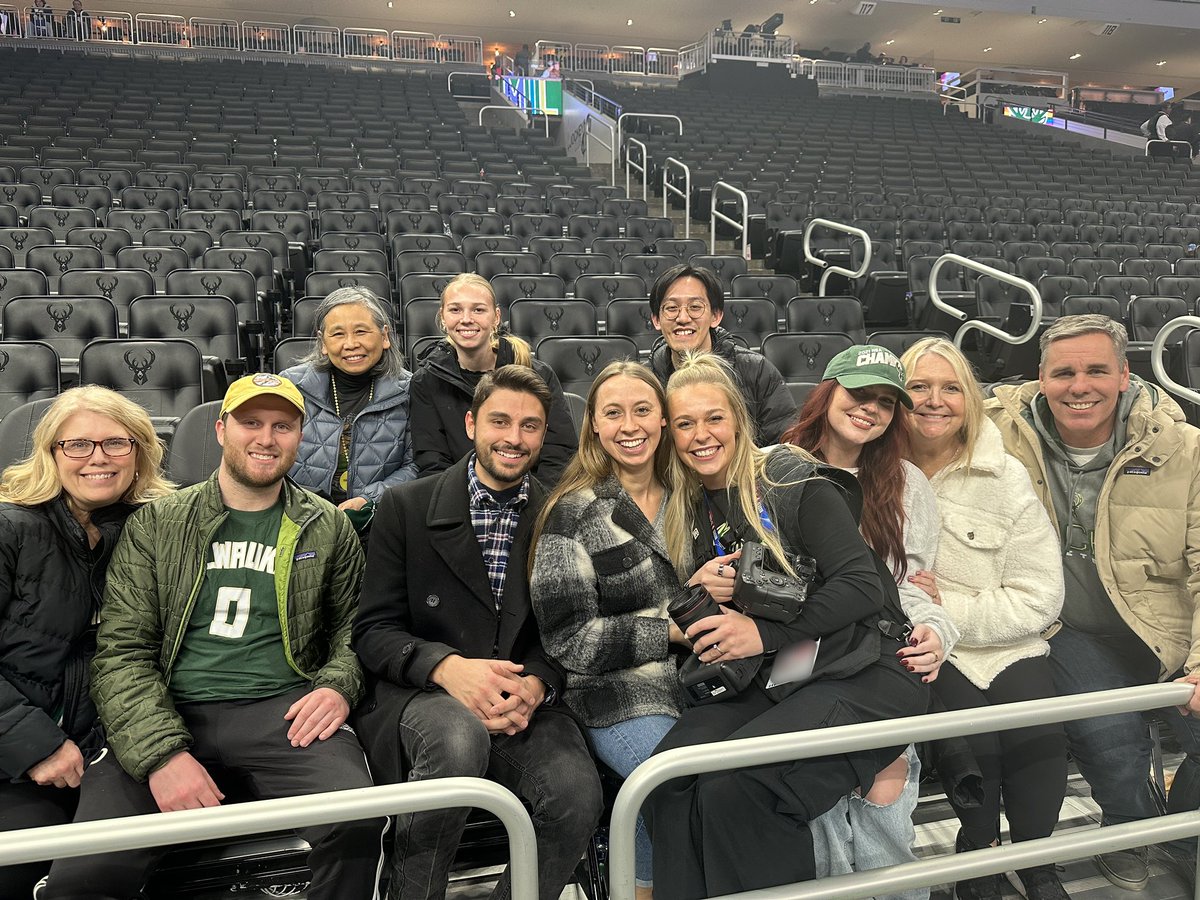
258	385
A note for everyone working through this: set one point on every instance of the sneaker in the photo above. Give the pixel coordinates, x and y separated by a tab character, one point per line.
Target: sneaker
1182	867
1126	869
1042	883
985	887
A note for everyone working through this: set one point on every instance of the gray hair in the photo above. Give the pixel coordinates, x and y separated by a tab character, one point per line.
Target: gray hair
392	361
1090	323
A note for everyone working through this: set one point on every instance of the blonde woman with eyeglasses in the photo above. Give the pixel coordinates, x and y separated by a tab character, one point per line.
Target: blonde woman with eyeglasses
95	458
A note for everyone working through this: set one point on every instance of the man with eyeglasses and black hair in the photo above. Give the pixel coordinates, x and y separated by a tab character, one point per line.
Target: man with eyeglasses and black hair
1118	469
686	305
223	655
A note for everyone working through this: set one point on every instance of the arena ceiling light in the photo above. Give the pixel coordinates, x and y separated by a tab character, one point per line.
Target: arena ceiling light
1075	56
1161	62
512	13
987	49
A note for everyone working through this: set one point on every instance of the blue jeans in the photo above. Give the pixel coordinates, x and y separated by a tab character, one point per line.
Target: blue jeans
857	835
1113	752
623	747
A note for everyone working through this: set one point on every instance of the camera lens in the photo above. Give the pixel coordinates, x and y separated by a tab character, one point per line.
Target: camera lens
690	605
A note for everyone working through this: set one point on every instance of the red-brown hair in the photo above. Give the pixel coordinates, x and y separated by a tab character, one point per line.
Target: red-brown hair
880	472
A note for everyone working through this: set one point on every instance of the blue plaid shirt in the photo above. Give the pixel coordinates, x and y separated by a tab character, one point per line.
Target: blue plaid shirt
494	526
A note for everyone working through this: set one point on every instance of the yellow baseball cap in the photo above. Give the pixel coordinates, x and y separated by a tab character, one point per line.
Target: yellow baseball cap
261	384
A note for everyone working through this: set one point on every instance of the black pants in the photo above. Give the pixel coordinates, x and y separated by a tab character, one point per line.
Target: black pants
246	740
744	829
432	735
1027	766
29	805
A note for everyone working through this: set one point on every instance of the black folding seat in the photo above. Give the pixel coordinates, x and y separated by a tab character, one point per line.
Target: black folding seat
570	266
53	261
275	243
280	199
58	220
826	314
107	240
20	241
96	198
450	203
65	323
422	242
296	226
211	323
921	230
1147	314
164	199
22	282
475	244
1187	266
602	289
216	199
1119	218
401	221
164	376
420	324
578	360
408	202
589	228
510	206
973	249
350	261
535	319
802	358
465	223
779	289
238	285
750	319
615	248
725	267
347	240
318	284
365	221
491	263
1122	287
313	185
649	228
1090	304
342	200
1056	288
683	248
192	242
1080	217
1186	287
431	187
510	288
1119	251
528	226
422	286
1053	232
631	318
213	222
649	266
1182	235
1014	250
29	372
1148	268
1031	268
546	247
1093	268
46	178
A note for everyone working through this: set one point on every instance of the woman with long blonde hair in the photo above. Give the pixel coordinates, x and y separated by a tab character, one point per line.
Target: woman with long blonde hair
602	577
444	381
95	458
828	652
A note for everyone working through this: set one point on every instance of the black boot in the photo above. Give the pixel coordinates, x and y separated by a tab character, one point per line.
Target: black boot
985	887
1042	883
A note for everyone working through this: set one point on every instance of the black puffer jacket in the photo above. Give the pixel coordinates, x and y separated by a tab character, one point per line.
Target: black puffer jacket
51	583
439	397
768	399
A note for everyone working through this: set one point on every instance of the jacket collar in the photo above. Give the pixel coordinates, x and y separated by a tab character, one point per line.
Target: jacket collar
442	361
663	360
627	516
314	385
298	504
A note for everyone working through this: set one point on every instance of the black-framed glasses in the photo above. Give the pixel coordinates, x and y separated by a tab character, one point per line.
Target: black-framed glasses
695	309
82	448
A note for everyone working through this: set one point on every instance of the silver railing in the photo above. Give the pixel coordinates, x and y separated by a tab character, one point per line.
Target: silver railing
811	257
221	34
413	46
269	37
742	225
366	43
152	28
587	57
628	60
643	166
621	139
317	40
759	46
693	58
256	817
686	193
686	761
610	144
969	325
866	77
1159	347
460	48
585	89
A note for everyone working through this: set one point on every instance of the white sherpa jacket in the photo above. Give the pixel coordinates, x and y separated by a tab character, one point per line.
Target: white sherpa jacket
999	566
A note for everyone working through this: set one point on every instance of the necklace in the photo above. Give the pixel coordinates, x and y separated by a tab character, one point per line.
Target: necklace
347	421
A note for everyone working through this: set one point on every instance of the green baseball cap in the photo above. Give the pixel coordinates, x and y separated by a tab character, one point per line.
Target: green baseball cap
867	364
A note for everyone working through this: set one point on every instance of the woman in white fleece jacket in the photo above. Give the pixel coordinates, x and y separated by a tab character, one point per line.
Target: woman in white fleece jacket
999	576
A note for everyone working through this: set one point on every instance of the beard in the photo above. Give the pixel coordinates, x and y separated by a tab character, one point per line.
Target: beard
510	475
235	465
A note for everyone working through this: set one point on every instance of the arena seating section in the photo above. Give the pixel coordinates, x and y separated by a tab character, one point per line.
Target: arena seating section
166	225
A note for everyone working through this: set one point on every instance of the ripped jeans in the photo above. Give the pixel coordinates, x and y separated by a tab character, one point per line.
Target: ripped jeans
857	834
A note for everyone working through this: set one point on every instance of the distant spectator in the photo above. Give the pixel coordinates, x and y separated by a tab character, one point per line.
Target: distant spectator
1155	127
10	25
41	20
825	53
863	54
553	70
521	62
77	23
1184	129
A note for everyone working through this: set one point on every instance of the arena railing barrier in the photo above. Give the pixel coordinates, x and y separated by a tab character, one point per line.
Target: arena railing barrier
632	165
696	760
317	40
1035	301
585	89
610	145
811	257
621	141
742	225
882	79
686	193
255	817
1158	348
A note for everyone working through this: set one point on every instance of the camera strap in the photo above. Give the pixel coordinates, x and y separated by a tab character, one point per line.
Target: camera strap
726	537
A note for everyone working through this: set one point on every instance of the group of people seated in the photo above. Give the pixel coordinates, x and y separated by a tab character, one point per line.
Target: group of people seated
702	563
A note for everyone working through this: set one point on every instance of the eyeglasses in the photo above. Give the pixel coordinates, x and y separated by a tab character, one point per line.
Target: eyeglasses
82	448
695	309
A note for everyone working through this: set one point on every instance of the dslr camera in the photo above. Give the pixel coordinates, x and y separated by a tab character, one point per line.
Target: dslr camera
708	682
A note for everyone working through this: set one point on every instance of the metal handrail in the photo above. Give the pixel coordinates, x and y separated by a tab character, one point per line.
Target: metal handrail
1035	301
809	256
686	193
530	110
1157	348
713	214
611	147
255	817
474	72
625	115
644	167
1169	143
726	755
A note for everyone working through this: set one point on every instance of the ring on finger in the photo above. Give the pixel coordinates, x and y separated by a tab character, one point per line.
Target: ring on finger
720	569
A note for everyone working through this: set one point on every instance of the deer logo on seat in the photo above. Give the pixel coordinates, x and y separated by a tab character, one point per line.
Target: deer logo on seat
647	321
826	312
106	284
161	178
139	363
553	314
60	313
138	219
652	267
214	197
98	239
347	282
280	220
4	358
352	261
739	313
103	177
422	242
476	223
810	352
253	241
237	260
491	245
19	238
280	199
583	265
183	313
352	241
510	264
151	197
211	284
610	287
588	356
46	175
430	263
81	196
63	258
527	288
61	216
342	200
177	240
208	219
152	259
10	192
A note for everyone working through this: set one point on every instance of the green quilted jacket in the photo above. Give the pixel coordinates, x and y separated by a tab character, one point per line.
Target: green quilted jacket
153	580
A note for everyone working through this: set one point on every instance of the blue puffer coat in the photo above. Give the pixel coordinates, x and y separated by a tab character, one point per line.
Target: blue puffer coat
381	453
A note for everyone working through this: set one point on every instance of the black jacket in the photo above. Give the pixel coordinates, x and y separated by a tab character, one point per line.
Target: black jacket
51	583
426	594
439	397
771	406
